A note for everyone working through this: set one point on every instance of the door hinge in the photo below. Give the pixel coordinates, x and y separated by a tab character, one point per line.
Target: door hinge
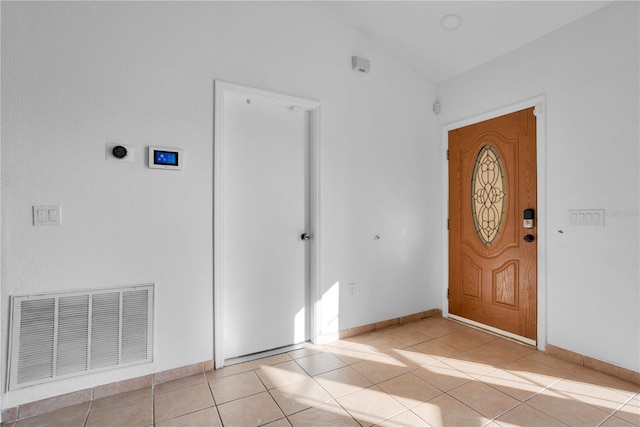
447	293
448	224
447	154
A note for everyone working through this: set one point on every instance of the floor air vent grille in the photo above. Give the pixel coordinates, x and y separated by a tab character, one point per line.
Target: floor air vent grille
55	336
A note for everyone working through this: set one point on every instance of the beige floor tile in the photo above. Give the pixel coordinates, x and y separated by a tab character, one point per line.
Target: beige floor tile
484	399
135	414
255	410
525	415
342	343
380	370
327	414
306	351
68	422
379	345
228	371
409	390
343	381
320	363
282	422
631	411
616	422
371	405
350	356
537	372
271	360
511	384
54	404
391	327
495	354
74	411
280	374
405	419
442	376
179	383
410	337
554	362
504	344
469	364
411	359
445	411
435	348
120	398
298	396
235	387
603	380
468	339
180	402
205	418
600	397
566	409
438	327
367	336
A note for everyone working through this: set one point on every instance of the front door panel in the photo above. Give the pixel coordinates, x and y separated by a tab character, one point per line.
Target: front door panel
492	250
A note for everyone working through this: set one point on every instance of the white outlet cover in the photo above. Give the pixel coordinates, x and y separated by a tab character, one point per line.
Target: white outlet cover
47	215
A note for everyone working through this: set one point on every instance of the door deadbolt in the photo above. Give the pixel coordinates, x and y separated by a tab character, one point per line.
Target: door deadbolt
528	218
305	236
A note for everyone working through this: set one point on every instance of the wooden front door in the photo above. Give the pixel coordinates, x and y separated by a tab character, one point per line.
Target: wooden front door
492	252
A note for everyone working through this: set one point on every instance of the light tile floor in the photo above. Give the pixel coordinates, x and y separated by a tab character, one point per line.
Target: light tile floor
434	372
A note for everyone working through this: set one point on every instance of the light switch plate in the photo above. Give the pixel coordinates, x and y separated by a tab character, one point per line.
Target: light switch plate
46	215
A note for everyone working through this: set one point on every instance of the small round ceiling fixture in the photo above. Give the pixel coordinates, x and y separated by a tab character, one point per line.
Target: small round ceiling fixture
451	22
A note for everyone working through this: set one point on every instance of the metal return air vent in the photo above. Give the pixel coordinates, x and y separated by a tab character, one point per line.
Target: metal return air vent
55	336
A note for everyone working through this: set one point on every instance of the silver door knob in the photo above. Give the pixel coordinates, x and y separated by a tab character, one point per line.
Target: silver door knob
305	236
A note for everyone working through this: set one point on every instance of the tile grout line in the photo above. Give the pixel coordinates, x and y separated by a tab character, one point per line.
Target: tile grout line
335	399
86	417
153	401
539	393
269	392
286	417
615	411
519	402
213	398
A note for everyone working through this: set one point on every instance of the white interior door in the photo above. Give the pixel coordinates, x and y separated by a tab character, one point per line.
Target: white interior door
266	212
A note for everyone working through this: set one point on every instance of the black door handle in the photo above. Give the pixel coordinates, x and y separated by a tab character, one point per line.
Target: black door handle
529	238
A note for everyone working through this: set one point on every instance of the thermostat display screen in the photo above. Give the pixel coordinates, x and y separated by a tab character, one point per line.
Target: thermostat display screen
166	158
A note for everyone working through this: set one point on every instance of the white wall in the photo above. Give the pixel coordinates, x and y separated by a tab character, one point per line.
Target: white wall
590	75
76	75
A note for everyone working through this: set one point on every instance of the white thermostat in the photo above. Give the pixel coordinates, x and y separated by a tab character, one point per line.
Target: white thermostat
165	158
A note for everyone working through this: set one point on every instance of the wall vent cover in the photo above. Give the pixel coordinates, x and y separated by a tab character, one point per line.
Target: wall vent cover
61	335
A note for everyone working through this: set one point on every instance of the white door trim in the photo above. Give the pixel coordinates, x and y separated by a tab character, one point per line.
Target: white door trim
221	90
540	104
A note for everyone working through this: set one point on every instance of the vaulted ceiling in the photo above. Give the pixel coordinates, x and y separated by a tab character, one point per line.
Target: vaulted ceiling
412	29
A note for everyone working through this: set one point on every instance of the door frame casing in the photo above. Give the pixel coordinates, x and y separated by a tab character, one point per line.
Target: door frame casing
221	90
540	105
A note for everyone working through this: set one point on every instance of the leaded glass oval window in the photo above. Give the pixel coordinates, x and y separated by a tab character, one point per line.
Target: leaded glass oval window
488	195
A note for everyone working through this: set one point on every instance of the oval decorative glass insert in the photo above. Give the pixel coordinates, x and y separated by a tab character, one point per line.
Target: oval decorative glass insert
488	195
